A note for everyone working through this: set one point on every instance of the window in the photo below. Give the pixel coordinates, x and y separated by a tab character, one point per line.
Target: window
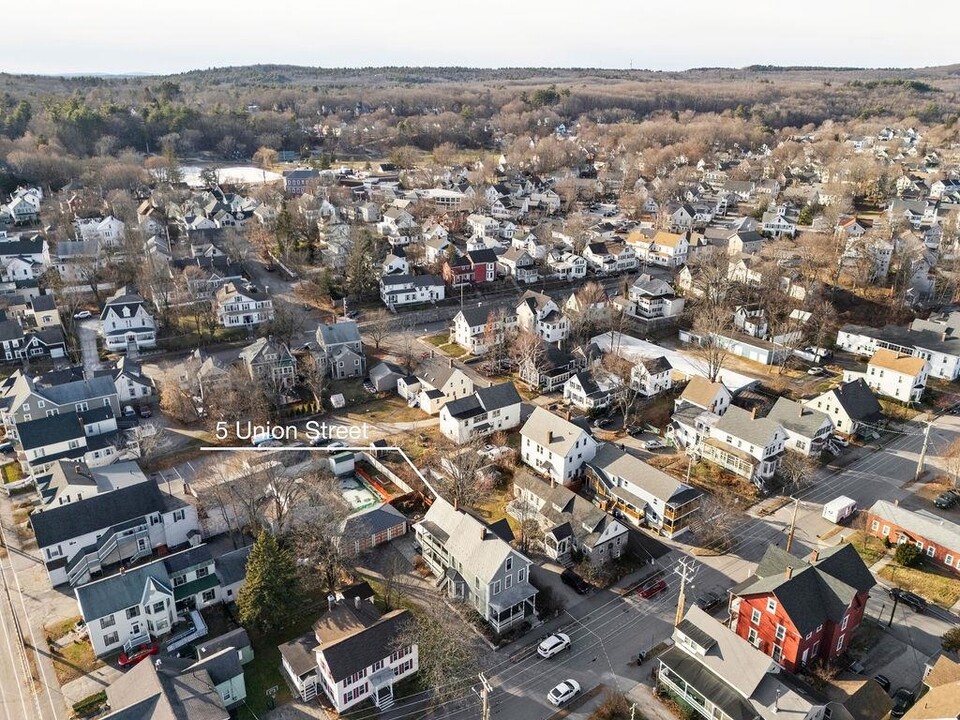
781	632
209	595
755	617
496	587
777	653
522	574
179	515
158	607
202	572
133	612
111	638
508	582
509	564
108	621
378	665
948	560
840	642
931	550
180	580
771	606
886	530
843	625
753	638
875	525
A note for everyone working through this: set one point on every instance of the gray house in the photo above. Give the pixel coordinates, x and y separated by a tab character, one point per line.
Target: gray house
340	349
472	564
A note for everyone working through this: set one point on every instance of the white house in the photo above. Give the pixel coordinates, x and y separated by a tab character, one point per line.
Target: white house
539	314
242	305
641	493
396	290
350	655
567	265
935	340
108	231
434	385
475	326
340	349
131	608
746	445
653	298
713	397
94	536
664	249
591	392
852	407
125	321
518	264
474	565
889	373
555	447
807	429
652	376
489	410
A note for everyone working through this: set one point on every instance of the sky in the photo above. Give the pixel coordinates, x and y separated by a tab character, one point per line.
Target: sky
114	37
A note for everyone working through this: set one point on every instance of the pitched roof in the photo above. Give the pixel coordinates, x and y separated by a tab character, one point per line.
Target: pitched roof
813	591
467	539
856	399
552	431
49	430
701	392
892	360
232	566
337	333
371	521
657	365
172	691
616	463
797	417
361	648
66	522
111	594
921	522
743	425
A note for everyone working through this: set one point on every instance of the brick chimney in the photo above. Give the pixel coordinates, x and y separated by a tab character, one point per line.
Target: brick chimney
456	503
788	573
753	412
814	556
450	362
483	532
550	436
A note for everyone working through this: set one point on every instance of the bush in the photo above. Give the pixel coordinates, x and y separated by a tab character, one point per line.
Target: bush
951	640
90	705
907	554
615	706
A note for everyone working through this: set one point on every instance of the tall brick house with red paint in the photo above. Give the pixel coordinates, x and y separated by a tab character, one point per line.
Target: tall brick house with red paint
801	610
473	268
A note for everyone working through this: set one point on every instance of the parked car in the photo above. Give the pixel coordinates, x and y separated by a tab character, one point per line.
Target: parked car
553	644
651	445
946	499
709	600
883	681
368	386
564	692
128	411
911	600
603	422
336	444
569	577
146	412
138	654
903	700
652	588
353	314
837	440
82	315
320	441
6	446
816	370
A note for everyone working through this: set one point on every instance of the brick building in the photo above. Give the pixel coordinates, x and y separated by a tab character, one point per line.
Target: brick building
801	610
938	539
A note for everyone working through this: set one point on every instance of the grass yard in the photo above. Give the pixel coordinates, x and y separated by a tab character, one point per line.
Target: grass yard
494	507
935	585
438	339
391	409
74	660
12	472
871	551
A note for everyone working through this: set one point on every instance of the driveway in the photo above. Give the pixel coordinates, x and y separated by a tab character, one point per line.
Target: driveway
87	336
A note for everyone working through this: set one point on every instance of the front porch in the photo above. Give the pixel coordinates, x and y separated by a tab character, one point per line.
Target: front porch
510	607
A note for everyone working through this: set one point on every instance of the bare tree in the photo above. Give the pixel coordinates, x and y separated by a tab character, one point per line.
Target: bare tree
951	460
449	655
314	377
378	327
462	482
287	323
621	372
527	353
176	403
711	324
718	521
796	471
318	532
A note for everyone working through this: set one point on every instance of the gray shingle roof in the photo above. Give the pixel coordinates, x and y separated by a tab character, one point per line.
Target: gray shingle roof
361	649
338	333
922	523
741	424
857	400
49	430
118	592
232	566
615	462
552	432
797	417
174	691
65	522
372	520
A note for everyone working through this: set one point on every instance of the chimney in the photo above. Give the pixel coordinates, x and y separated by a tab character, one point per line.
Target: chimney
356	602
553	481
788	573
814	556
331	599
753	412
157	663
450	362
550	436
456	504
896	503
483	532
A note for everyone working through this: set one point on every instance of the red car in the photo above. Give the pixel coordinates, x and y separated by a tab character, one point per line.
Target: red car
654	588
138	654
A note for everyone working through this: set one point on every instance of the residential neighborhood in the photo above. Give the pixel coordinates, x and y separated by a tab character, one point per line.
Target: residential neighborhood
480	394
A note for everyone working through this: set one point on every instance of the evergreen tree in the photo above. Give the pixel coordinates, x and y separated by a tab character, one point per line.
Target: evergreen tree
271	592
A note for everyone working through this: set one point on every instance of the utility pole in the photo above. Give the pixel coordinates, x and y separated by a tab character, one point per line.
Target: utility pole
485	689
923	450
687	569
793	523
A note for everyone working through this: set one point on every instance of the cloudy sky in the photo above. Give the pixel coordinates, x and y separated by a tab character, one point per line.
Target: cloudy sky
110	36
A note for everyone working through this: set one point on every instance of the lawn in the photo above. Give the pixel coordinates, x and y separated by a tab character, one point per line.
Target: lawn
391	408
438	339
872	551
494	507
263	672
74	660
935	585
12	472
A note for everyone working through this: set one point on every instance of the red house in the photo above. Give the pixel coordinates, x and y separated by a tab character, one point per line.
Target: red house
474	268
798	611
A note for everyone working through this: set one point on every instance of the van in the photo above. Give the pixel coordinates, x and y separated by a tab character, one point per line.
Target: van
839	509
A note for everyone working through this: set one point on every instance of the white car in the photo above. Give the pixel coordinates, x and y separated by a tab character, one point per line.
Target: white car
653	444
82	315
553	644
564	692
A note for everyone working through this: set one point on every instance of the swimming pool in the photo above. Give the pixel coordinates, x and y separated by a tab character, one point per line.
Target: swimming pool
357	494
